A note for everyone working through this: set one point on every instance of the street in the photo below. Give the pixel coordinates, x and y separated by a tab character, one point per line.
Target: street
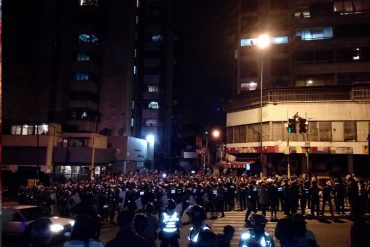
328	232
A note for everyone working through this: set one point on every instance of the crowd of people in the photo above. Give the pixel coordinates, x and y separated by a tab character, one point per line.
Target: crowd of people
152	204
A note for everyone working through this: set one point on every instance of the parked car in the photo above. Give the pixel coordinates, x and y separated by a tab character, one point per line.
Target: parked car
16	220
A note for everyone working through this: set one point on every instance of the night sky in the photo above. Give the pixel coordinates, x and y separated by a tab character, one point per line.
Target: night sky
205	63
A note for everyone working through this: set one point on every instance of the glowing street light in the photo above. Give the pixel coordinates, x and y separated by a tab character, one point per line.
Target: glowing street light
216	133
263	41
150	138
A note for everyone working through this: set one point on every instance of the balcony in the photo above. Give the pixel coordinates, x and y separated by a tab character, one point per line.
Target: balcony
328	68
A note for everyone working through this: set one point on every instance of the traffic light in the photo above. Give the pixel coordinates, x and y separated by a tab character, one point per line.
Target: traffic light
303	126
291	126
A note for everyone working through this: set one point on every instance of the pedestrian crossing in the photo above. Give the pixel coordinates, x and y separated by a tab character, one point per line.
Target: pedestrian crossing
236	219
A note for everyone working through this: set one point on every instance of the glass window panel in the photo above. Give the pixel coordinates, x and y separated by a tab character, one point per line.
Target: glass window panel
312	132
240	134
230	134
253	133
277	131
325	131
350	131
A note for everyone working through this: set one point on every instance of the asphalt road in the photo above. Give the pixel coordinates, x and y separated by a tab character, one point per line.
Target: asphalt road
329	231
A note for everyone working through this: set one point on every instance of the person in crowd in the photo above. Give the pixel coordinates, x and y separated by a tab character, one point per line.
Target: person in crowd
126	236
252	196
302	236
225	238
273	198
207	239
304	195
197	216
283	232
140	222
257	236
294	196
170	224
152	222
326	198
40	233
263	198
286	198
83	233
339	194
359	232
315	199
242	195
353	196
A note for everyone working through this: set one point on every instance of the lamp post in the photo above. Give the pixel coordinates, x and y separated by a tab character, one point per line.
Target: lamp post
263	42
150	138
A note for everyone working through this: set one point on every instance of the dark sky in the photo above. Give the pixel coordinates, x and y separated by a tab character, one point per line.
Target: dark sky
207	28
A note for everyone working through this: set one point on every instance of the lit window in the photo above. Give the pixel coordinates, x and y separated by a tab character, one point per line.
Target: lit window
315	33
135	53
82	76
280	40
132	105
132	122
25	130
309	82
252	85
351	6
153	105
356	54
84	115
16	129
157	37
88	38
302	14
277	40
151	122
135	70
153	88
83	57
137	3
88	2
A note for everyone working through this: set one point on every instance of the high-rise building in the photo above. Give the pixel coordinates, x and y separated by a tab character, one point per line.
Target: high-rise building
316	68
99	69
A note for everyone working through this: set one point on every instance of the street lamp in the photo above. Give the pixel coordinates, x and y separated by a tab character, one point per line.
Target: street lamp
263	42
150	138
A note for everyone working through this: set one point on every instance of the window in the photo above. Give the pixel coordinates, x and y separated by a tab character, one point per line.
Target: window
240	134
350	131
83	57
304	13
88	38
229	135
153	88
156	37
313	132
351	6
82	76
16	129
315	33
78	142
135	70
277	131
277	40
88	2
253	133
132	122
151	79
325	131
153	105
151	122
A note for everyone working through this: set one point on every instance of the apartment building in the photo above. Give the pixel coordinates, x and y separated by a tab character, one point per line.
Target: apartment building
316	70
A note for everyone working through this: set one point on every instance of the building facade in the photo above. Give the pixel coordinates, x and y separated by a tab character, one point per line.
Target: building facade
316	69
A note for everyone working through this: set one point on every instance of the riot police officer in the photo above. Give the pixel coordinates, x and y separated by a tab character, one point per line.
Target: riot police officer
257	236
197	216
170	224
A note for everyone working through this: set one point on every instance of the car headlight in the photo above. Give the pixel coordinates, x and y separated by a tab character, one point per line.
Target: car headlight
56	227
71	222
